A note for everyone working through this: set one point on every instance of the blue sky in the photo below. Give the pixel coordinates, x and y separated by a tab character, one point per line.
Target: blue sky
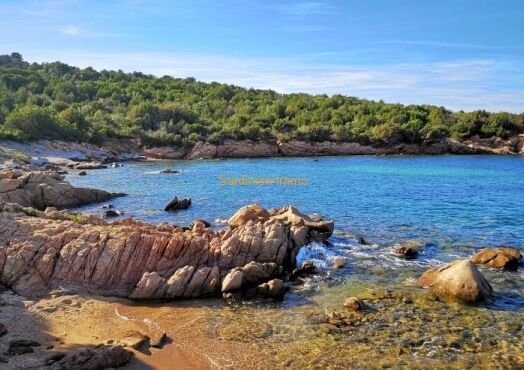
462	54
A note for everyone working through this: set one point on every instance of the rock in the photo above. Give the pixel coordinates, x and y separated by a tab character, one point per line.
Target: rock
409	249
10	185
82	173
338	263
100	357
136	260
54	357
204	222
90	166
168	170
307	268
108	206
10	174
272	289
459	279
361	240
253	213
3	330
504	257
39	162
21	346
109	213
42	189
134	340
176	204
157	337
233	281
354	304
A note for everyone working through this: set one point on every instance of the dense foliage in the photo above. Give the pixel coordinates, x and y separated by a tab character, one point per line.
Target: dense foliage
55	100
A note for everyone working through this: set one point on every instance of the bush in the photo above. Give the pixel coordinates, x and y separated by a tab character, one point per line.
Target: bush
33	123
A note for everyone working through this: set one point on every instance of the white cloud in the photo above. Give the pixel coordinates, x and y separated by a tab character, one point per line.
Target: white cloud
468	85
78	32
71	30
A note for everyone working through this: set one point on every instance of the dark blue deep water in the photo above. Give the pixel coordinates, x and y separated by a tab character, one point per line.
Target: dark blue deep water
454	204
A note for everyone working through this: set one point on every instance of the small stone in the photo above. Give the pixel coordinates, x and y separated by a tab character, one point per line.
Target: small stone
82	173
111	213
338	263
307	268
409	249
353	303
134	340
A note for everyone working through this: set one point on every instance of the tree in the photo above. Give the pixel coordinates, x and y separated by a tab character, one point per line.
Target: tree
33	123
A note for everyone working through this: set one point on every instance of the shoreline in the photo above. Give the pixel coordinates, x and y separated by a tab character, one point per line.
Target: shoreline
119	150
204	334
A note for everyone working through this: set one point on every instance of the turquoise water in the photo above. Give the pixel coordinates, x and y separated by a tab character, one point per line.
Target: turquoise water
454	204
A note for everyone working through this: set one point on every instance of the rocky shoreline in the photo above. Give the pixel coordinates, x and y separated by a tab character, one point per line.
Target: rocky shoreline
64	153
44	250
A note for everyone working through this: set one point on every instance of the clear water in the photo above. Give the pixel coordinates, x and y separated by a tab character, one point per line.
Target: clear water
454	204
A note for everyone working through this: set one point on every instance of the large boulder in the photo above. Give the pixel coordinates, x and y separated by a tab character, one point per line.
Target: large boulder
504	257
459	279
252	212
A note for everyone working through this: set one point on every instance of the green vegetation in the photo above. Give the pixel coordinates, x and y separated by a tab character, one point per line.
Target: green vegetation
55	100
78	218
30	211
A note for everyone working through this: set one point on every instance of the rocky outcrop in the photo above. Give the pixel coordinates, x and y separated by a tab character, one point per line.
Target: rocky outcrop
101	357
505	257
43	189
459	279
176	204
127	258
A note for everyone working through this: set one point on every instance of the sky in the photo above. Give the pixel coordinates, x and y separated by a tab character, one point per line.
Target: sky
461	54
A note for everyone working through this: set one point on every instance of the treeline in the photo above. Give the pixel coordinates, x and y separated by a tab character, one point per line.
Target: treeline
58	101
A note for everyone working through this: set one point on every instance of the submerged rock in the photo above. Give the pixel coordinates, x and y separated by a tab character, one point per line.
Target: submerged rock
338	263
459	279
175	204
272	289
307	268
505	257
168	170
353	303
409	249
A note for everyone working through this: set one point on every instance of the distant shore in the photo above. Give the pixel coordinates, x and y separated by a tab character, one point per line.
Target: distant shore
117	150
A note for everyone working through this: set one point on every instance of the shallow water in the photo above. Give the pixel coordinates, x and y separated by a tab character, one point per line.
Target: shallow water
454	204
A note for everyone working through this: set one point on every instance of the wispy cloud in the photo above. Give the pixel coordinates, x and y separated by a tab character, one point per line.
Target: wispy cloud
78	32
467	85
70	30
303	8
